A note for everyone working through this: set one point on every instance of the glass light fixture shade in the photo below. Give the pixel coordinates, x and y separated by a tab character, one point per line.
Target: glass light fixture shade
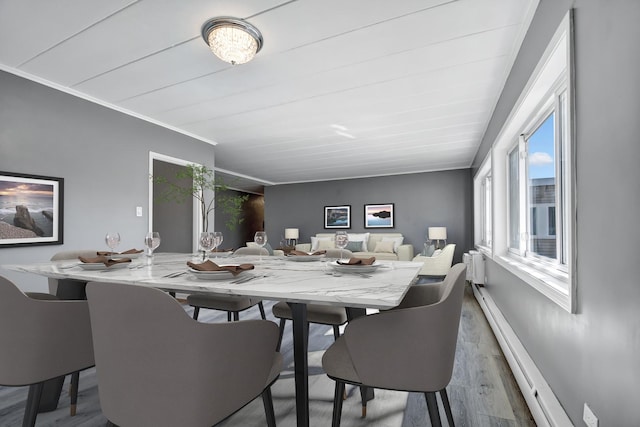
232	40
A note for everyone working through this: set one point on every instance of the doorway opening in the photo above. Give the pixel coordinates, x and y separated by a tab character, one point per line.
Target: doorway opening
177	223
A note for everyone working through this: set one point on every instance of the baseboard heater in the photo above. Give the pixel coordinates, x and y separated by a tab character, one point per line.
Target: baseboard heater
543	404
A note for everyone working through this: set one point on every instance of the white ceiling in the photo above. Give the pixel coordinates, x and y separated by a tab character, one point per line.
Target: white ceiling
412	83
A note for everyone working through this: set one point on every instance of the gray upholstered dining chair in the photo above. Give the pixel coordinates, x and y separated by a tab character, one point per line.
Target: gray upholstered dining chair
251	250
231	304
320	314
64	288
337	253
43	339
411	347
158	367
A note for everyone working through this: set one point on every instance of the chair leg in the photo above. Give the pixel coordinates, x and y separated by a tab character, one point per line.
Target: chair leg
73	392
432	406
282	322
336	332
33	403
447	406
236	316
228	316
337	404
262	313
267	401
196	312
363	396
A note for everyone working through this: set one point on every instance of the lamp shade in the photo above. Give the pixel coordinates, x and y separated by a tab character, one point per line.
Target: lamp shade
291	233
438	233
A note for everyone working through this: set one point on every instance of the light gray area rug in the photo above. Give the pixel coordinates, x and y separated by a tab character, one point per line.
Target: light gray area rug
386	410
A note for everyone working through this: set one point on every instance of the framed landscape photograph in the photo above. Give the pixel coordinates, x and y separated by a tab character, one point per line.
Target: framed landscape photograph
337	216
30	210
378	216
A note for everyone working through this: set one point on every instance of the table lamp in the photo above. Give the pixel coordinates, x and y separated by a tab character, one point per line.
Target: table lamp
437	234
291	235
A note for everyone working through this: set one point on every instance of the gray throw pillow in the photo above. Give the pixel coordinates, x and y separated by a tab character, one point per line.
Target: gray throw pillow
428	250
268	247
354	246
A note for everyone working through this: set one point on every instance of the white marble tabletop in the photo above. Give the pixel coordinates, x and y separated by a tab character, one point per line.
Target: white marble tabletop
276	278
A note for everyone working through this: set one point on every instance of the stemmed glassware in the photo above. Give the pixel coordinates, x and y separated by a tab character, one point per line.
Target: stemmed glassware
206	243
217	240
342	240
260	239
152	241
113	240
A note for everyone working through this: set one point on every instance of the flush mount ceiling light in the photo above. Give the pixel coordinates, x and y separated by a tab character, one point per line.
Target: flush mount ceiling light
233	40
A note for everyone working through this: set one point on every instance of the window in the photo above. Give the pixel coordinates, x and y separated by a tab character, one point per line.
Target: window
531	175
534	160
486	232
514	200
483	201
551	218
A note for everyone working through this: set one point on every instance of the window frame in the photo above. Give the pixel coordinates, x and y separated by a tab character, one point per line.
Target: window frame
550	89
483	211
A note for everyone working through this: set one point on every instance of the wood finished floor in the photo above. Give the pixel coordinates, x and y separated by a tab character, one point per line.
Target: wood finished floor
482	391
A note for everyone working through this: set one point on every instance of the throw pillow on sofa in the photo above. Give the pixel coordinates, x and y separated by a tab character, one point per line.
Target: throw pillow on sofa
354	246
320	243
385	246
360	237
428	250
397	241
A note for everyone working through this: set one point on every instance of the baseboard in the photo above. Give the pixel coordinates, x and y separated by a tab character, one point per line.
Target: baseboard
543	404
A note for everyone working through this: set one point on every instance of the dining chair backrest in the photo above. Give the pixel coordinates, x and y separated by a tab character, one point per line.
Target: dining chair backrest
156	366
415	343
336	253
68	255
246	250
41	339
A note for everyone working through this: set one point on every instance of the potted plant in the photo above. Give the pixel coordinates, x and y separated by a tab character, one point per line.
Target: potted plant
211	193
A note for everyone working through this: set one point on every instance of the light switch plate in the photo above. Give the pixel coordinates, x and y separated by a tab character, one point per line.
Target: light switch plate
138	210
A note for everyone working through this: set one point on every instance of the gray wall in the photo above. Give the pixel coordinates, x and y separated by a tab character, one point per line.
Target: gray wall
421	200
591	356
103	155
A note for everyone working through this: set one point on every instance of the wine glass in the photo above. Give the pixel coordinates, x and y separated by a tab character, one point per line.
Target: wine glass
342	240
152	241
260	239
217	240
113	240
206	243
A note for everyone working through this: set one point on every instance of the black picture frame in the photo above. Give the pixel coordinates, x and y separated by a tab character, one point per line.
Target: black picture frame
337	216
31	210
379	215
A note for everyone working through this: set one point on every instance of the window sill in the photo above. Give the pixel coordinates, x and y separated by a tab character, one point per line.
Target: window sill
551	282
485	250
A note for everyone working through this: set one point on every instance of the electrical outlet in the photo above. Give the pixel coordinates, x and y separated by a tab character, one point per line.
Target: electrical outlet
589	417
138	210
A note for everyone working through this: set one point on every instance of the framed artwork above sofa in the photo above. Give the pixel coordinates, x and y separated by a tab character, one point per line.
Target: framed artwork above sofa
337	216
379	216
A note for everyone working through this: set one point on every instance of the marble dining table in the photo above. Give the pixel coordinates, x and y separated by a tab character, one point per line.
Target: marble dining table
274	278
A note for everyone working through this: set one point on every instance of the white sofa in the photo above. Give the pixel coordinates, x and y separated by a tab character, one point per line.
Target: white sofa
383	246
439	263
